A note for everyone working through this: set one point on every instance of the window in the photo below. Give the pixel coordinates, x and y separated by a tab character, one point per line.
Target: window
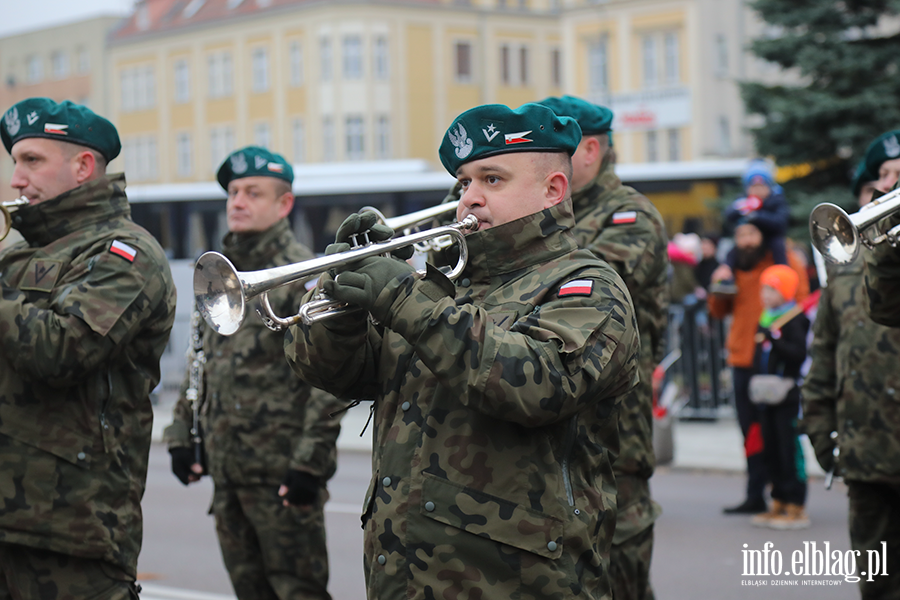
59	60
380	58
383	137
220	75
221	144
191	9
523	65
325	59
505	67
724	135
652	150
35	68
355	143
260	65
352	56
721	56
328	139
182	82
674	139
183	156
598	69
138	88
299	140
140	157
84	61
295	56
648	48
671	59
556	68
463	62
262	135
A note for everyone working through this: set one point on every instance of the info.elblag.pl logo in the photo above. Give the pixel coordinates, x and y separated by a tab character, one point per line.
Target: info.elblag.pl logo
811	565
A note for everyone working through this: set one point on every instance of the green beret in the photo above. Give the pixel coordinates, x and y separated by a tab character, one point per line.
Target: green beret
885	147
860	176
254	161
592	118
66	122
493	129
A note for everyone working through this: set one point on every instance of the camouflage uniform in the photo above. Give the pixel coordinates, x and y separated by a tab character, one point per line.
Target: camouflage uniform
259	420
853	387
622	227
883	279
83	328
494	418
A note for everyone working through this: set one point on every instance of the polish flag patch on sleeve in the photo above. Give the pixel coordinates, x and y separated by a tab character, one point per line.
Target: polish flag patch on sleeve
624	218
576	287
124	250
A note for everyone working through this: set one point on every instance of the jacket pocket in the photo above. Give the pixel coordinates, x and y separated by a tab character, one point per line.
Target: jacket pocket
490	517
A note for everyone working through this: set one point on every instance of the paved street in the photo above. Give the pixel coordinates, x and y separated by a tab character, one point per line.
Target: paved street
698	550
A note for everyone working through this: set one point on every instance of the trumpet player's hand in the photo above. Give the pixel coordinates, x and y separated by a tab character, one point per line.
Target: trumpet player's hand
359	223
371	284
184	467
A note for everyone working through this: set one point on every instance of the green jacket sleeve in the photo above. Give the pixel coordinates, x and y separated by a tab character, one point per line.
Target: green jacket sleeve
819	392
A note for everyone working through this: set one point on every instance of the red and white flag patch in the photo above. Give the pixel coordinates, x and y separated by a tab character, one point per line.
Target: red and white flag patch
123	250
576	287
517	138
56	128
275	167
624	218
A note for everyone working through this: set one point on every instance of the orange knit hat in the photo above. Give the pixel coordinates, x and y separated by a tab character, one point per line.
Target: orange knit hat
782	278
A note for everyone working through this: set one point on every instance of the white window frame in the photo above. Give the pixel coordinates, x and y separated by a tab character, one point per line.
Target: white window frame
84	61
355	137
672	58
469	75
262	135
34	68
383	137
649	61
352	57
59	62
220	71
381	58
182	77
673	144
555	67
652	141
329	145
259	59
184	159
598	65
298	139
295	62
326	59
221	144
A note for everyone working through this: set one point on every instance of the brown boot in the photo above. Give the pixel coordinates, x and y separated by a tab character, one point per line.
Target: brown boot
794	517
763	519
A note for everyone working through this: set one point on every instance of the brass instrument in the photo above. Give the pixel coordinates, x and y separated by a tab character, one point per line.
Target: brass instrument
194	392
837	235
221	292
410	222
5	219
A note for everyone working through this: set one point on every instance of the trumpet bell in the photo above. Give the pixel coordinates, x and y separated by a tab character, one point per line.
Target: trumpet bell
5	222
834	234
218	294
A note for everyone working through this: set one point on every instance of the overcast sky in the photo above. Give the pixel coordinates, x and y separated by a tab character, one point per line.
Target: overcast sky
18	17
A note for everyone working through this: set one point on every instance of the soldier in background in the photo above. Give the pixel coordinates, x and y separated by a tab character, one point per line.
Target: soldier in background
622	227
494	399
853	388
269	443
86	306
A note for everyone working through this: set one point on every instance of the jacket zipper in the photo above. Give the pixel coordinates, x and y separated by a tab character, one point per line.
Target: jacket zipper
568	443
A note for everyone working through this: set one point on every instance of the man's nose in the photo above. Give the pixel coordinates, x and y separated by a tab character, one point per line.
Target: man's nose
18	181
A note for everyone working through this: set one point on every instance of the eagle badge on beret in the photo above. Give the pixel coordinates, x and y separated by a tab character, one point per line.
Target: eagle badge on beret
461	141
11	118
892	146
239	163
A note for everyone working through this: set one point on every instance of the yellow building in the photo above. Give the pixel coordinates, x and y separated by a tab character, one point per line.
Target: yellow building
322	82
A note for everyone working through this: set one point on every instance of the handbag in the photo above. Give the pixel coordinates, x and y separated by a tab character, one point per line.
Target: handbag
770	389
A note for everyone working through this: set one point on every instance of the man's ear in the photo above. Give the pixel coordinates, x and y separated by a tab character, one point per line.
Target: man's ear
84	166
592	150
285	204
556	189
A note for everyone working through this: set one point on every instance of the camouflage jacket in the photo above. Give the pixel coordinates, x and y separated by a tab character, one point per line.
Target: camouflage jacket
258	418
622	227
86	308
853	385
494	418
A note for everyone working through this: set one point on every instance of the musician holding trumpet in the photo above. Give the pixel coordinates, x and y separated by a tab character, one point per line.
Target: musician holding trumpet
86	306
494	397
269	439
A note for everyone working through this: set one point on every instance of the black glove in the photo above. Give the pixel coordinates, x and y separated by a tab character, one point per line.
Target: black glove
363	283
182	461
302	488
365	222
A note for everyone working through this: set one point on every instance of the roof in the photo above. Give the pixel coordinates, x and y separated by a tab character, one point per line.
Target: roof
170	16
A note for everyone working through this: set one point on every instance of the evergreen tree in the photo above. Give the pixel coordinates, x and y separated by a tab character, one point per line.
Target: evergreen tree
846	57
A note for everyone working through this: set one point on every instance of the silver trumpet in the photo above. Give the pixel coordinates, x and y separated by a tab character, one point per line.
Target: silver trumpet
221	292
409	223
838	235
5	218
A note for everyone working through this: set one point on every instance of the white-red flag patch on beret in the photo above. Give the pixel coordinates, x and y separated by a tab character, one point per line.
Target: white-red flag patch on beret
576	287
624	218
124	250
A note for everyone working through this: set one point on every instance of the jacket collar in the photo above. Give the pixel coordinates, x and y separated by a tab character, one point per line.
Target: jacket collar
251	251
96	202
533	239
585	200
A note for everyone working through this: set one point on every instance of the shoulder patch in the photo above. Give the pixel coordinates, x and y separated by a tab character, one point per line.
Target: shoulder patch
576	287
124	250
624	218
